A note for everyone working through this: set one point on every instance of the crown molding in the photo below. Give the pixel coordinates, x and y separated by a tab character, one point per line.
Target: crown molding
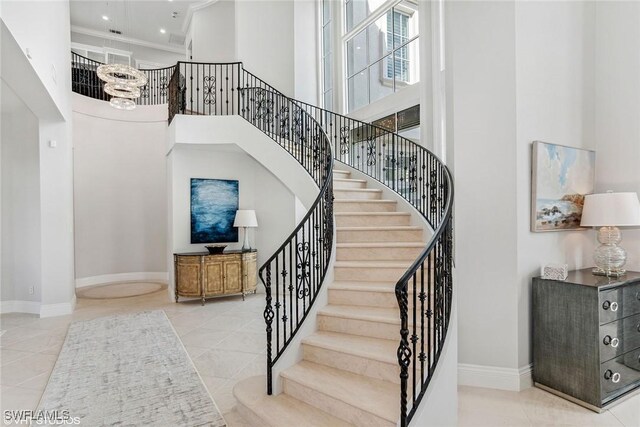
124	39
194	8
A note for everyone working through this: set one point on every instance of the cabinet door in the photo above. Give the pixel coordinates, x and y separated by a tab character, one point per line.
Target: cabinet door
249	271
213	278
188	276
232	277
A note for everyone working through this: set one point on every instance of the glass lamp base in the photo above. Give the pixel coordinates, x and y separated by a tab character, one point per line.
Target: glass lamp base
612	273
609	257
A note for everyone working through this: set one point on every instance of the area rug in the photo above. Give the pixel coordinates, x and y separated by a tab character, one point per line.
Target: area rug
128	370
119	290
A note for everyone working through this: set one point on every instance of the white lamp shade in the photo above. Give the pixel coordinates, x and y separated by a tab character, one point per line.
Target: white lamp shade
611	209
245	218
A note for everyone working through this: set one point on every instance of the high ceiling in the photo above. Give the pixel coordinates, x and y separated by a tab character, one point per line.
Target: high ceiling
136	19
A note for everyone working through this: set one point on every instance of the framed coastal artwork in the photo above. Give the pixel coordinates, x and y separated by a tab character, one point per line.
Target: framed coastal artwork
560	178
214	203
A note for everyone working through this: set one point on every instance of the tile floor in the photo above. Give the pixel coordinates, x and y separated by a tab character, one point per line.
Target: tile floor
225	339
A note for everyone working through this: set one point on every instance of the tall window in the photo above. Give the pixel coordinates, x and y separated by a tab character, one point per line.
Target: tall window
383	57
327	52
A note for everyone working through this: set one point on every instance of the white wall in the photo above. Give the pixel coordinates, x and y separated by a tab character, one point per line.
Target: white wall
258	190
305	38
555	103
265	41
228	147
617	106
520	72
212	32
119	190
482	41
43	83
20	202
140	53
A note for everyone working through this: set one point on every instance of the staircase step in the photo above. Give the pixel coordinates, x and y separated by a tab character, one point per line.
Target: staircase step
356	205
357	193
375	322
354	398
370	271
382	251
337	173
371	357
396	233
341	183
367	296
371	219
282	410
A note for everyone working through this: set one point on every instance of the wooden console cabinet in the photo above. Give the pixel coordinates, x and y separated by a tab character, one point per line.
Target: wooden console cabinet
203	275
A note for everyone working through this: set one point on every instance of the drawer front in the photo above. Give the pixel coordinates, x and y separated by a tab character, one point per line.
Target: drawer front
619	337
619	302
619	373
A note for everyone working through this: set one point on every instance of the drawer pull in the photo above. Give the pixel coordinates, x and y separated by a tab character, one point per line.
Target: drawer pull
610	305
613	376
614	342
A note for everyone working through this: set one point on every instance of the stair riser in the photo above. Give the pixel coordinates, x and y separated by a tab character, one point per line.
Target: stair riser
335	407
388	331
362	274
250	416
341	175
363	207
360	236
366	299
372	220
359	195
351	363
339	185
377	254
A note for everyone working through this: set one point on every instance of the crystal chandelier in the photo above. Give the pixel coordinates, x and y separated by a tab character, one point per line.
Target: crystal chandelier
123	82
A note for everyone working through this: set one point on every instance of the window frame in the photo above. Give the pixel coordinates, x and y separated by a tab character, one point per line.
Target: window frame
396	84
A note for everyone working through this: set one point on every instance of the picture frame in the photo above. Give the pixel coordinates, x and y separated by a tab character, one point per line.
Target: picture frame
560	178
214	203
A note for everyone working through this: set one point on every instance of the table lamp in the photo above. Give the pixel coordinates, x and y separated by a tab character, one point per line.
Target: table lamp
609	211
245	219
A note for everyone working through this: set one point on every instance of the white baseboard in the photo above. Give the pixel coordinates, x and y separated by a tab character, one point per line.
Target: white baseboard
51	310
122	277
494	377
31	307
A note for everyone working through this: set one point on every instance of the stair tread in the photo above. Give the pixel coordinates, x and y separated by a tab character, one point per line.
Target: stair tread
281	410
379	227
359	190
381	245
372	213
342	171
370	348
364	201
349	180
386	287
371	395
372	314
373	264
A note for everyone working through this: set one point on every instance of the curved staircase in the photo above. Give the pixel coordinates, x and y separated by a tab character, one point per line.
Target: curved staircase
349	374
378	340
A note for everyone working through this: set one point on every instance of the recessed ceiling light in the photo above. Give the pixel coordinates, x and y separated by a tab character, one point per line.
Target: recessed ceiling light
105	17
162	30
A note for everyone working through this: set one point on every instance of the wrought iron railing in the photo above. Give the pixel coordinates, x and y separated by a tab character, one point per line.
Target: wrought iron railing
85	81
294	274
424	292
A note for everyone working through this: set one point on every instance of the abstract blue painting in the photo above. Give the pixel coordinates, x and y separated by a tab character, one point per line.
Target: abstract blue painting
214	203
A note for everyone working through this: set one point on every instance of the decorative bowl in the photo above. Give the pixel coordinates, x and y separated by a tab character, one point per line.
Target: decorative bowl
215	249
